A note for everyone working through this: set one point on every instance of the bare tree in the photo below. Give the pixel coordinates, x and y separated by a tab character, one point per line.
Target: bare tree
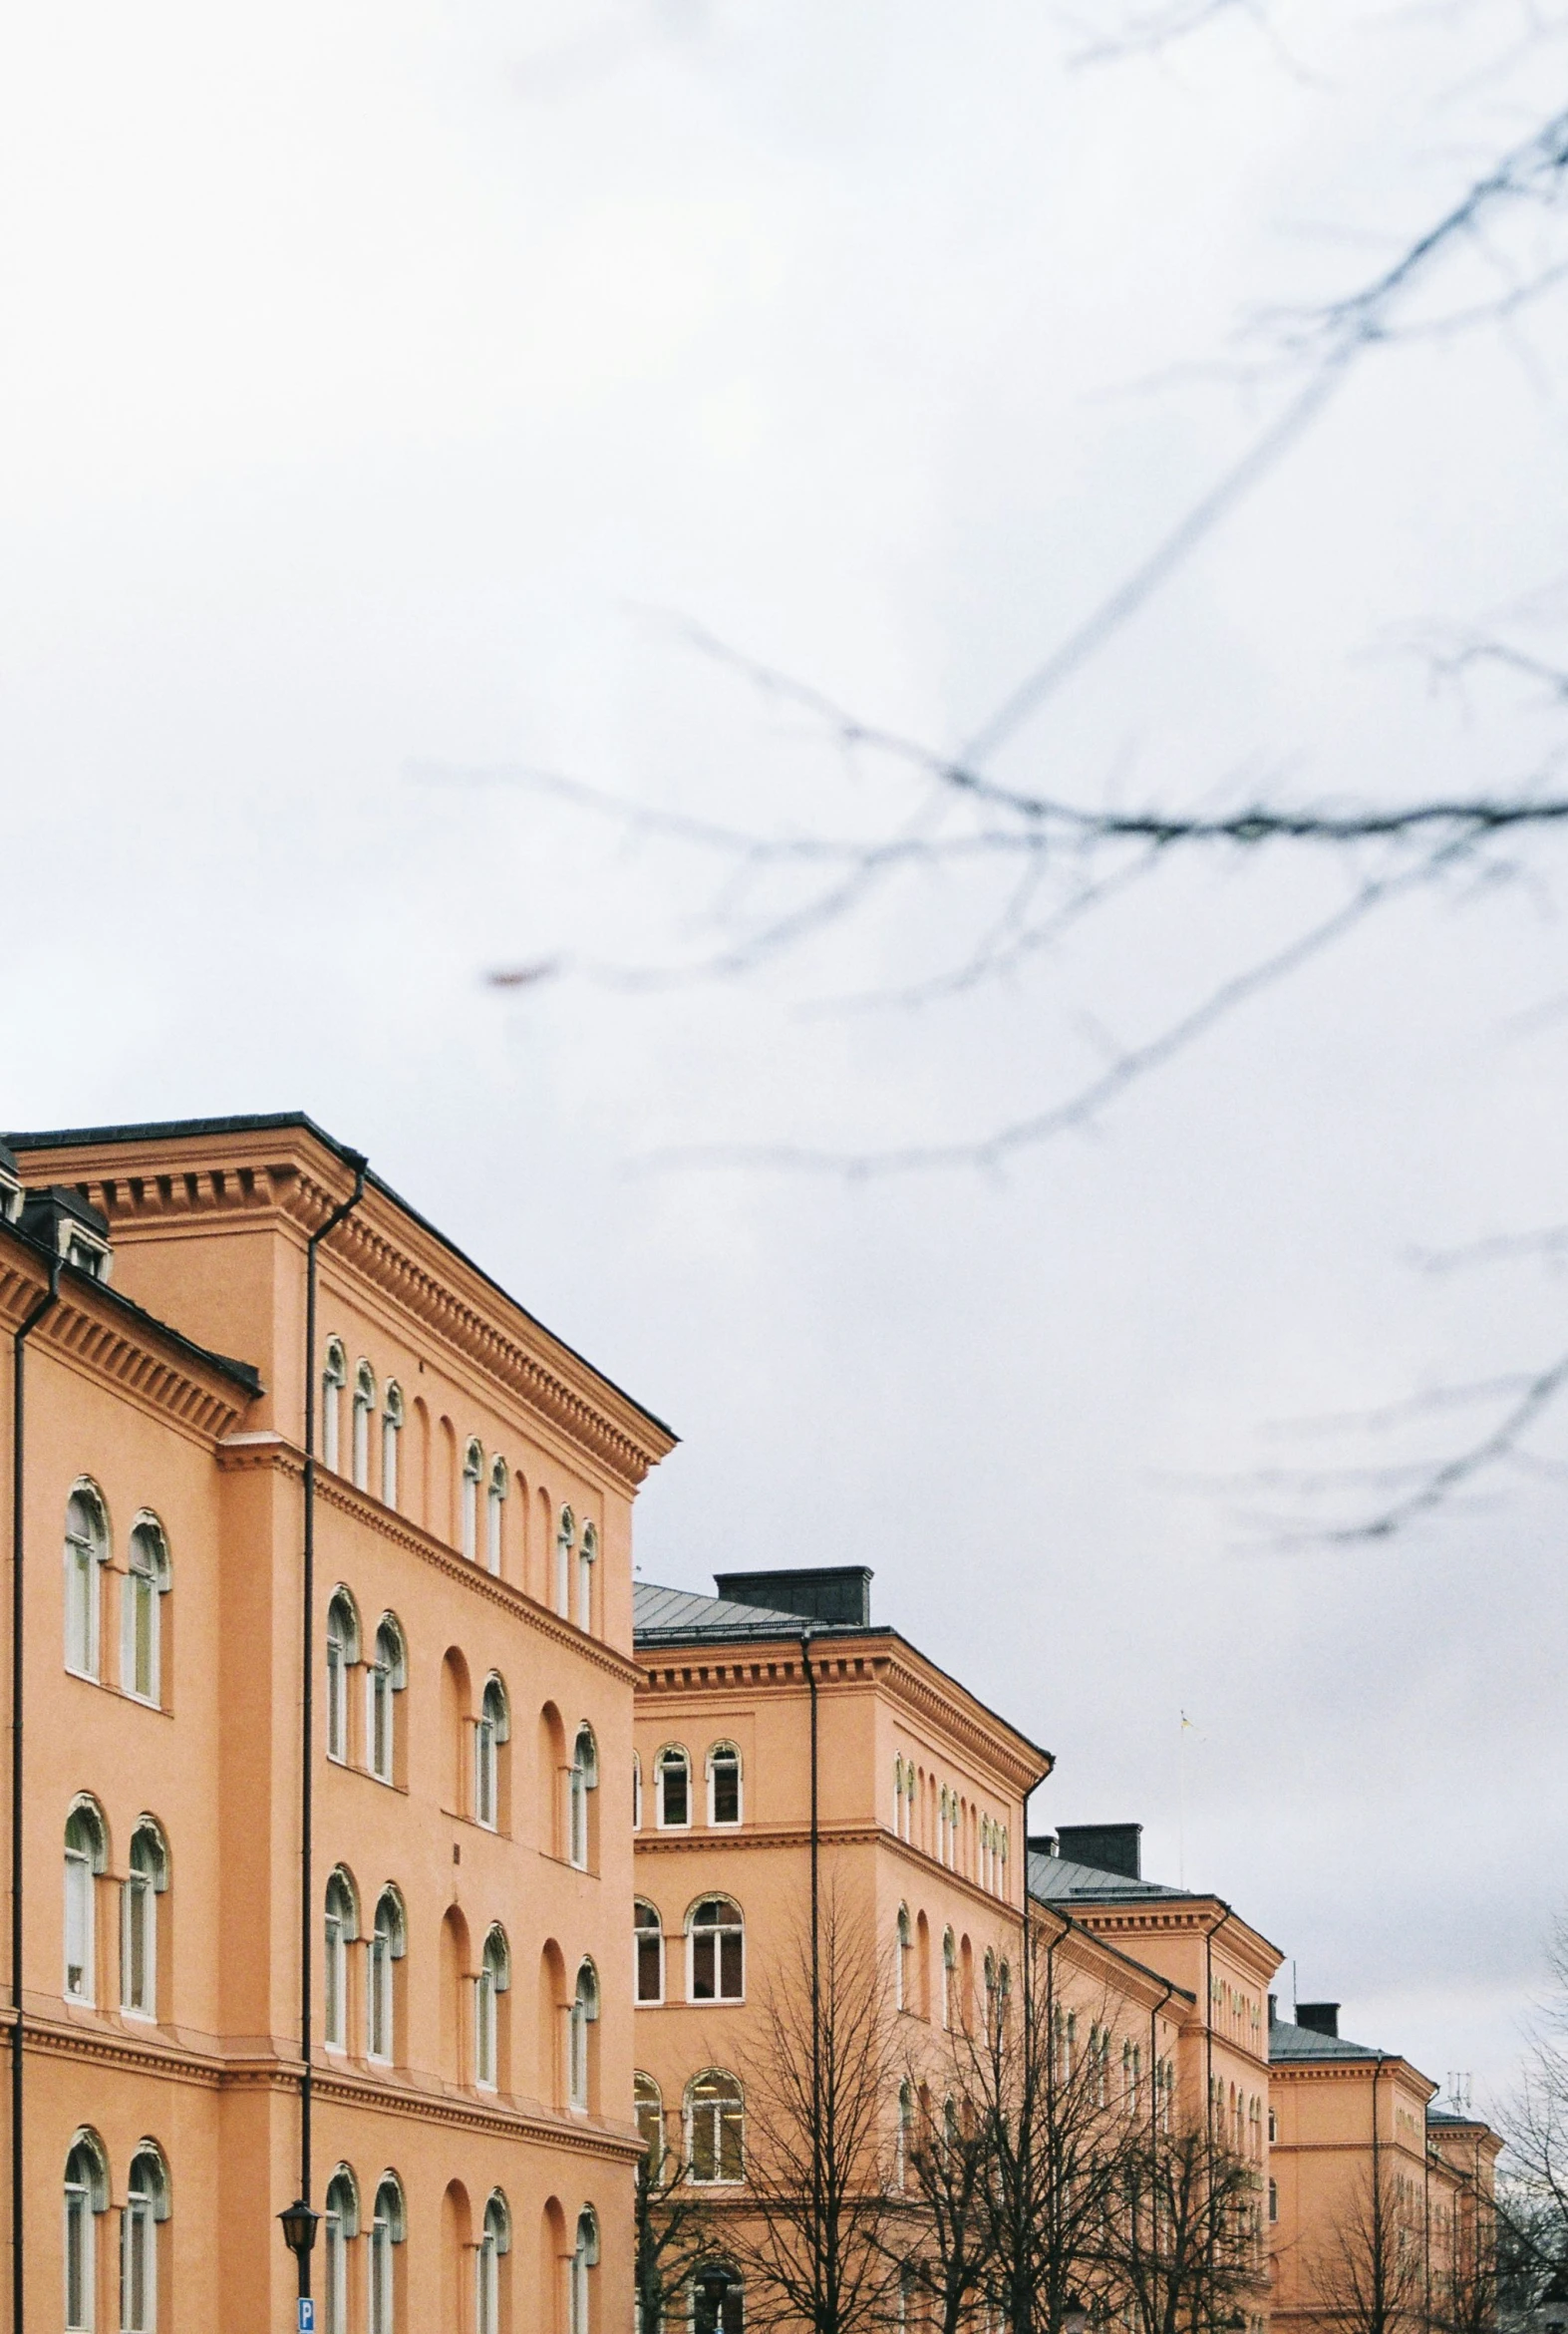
942	2236
811	2235
1370	2273
1189	2248
674	2232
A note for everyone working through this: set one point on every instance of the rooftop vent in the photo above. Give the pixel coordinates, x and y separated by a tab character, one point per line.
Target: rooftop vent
821	1592
1322	2017
1104	1848
10	1187
69	1226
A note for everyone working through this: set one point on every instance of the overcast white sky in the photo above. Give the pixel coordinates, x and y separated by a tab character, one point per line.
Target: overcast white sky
369	373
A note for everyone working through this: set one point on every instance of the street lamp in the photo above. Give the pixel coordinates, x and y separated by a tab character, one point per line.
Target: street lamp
299	2235
1075	2318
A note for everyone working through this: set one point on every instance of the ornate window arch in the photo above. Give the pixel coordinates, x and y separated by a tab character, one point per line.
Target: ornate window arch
494	1980
648	2103
585	2014
495	1512
949	1979
364	1411
473	1477
341	1927
647	1952
86	1551
585	1779
388	1944
146	1880
334	1377
584	2260
495	2245
587	1557
392	1415
147	2204
388	2228
340	2226
565	1542
715	1951
490	1737
342	1656
386	1676
902	1961
673	1789
149	1579
725	1783
86	1855
85	2196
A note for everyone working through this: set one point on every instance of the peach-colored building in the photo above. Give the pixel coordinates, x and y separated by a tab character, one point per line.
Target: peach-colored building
468	1792
1365	2170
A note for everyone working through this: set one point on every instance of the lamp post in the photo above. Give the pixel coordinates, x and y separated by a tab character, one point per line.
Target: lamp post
299	2235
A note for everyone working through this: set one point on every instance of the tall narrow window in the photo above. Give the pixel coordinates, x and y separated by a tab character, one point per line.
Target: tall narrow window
718	1953
899	1793
86	2195
334	1377
587	1554
385	2234
565	1542
724	1784
87	1547
906	2128
340	2228
584	2260
364	1411
386	1948
391	1429
649	2106
902	1999
145	1882
341	1927
494	2244
673	1785
473	1477
385	1679
648	1952
147	2204
342	1654
488	1738
585	2014
715	2130
86	1854
494	1980
495	1514
636	1793
147	1583
585	1779
949	1980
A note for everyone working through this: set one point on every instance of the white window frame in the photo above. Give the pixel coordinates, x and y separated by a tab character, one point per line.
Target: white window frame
145	2207
494	2242
85	2198
642	1930
495	1514
713	1934
734	2099
340	2225
717	1751
147	1583
565	1542
391	1428
494	1980
903	1947
583	1779
342	1656
364	1411
340	1929
493	1728
385	2234
83	1865
385	1945
949	1972
85	1553
670	1753
145	1882
584	2260
473	1477
334	1377
584	2013
587	1557
383	1682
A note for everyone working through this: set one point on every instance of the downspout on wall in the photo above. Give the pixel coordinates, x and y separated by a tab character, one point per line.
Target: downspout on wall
816	1986
45	1304
308	1703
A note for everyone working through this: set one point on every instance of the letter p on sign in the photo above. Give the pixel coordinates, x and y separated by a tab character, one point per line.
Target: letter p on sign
307	2315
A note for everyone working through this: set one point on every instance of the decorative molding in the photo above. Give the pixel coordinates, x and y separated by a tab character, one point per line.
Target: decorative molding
386	1246
122	1350
241	1453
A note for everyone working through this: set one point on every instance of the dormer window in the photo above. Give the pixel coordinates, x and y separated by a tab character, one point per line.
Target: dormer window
10	1187
61	1220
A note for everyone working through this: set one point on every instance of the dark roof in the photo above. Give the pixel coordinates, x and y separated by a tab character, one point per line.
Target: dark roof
268	1121
244	1374
1290	2044
679	1616
1056	1880
7	1158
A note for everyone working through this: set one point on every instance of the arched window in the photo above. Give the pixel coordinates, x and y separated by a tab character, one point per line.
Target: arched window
494	2241
648	2101
715	2130
86	2195
673	1789
341	1928
87	1849
648	1945
909	1801
364	1410
902	1963
587	1555
147	2204
473	1477
145	1882
495	1514
147	1583
340	2228
716	1937
491	1732
334	1377
385	1678
387	1940
584	1777
494	1980
565	1542
636	1793
990	1981
391	1429
342	1654
949	1975
906	2128
724	1784
584	2260
584	2013
899	1793
718	2300
386	2231
87	1547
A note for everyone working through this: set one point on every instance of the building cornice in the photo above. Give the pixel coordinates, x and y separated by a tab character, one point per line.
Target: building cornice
121	1347
289	1176
273	1452
1195	1915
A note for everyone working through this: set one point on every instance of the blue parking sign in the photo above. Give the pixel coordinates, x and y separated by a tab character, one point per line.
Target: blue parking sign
307	2315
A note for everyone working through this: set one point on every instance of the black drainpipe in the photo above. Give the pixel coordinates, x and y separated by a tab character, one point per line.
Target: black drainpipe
817	1998
308	1699
46	1304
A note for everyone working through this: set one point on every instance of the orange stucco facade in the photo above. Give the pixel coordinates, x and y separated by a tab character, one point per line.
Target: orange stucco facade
482	2162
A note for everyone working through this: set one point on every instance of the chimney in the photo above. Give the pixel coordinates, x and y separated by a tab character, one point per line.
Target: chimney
10	1186
1322	2017
1041	1843
819	1592
1273	2009
1106	1847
